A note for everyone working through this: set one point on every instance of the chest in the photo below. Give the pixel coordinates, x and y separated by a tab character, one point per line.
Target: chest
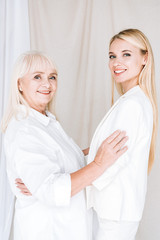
69	155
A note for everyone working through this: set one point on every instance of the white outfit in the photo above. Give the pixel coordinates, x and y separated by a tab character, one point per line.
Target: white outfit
116	230
119	194
40	153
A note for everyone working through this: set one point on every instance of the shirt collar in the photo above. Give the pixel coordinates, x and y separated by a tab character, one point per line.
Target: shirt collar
37	115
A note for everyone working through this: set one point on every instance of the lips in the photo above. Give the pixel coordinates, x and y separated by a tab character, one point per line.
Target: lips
119	71
44	92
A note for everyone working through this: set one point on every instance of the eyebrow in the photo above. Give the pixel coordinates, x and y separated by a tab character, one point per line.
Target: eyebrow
126	51
122	51
54	73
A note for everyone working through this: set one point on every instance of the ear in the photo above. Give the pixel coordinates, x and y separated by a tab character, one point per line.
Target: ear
145	59
20	85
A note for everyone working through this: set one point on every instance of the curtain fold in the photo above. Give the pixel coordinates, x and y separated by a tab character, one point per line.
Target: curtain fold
14	39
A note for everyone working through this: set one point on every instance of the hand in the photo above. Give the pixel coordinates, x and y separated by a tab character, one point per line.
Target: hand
85	151
111	149
22	187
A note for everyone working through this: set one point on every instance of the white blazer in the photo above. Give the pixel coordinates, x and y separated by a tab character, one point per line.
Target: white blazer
119	194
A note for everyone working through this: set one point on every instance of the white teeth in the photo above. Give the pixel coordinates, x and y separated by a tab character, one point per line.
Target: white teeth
44	92
119	71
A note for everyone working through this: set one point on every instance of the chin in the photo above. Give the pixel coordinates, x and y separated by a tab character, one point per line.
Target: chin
119	81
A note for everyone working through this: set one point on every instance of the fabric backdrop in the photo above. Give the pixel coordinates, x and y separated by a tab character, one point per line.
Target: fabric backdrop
76	34
14	39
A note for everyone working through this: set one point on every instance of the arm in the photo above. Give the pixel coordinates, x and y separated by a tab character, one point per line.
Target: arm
128	116
109	151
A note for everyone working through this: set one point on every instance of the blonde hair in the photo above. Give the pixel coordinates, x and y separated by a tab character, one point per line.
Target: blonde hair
146	78
30	61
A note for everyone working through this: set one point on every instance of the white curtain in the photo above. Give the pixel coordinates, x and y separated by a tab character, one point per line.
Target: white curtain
76	34
14	39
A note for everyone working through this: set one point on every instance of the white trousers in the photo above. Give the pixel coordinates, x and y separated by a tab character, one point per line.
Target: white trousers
116	230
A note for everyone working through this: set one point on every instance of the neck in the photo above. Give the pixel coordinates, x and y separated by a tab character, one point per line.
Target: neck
126	87
41	110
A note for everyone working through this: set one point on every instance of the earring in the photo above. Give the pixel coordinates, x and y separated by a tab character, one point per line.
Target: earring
20	89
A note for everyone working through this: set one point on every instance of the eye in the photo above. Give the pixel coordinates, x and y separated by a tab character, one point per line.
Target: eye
53	78
127	55
112	56
37	77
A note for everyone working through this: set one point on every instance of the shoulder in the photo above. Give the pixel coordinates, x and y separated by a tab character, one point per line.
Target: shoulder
136	102
129	107
16	125
18	128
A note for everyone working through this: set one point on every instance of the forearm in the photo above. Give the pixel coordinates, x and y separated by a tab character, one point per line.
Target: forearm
106	155
108	152
86	175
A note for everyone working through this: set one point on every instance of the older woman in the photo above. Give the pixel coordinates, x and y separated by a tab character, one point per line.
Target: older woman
49	163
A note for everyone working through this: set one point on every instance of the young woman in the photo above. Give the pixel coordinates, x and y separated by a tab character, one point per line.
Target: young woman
48	161
118	196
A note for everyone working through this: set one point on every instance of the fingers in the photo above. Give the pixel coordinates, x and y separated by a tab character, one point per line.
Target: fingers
22	187
122	151
118	138
18	180
26	193
113	136
120	144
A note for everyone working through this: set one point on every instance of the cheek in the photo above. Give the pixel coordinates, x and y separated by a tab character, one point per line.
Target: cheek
138	66
54	85
30	85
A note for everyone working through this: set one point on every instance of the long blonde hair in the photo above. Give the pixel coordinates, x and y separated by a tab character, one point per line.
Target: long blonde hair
27	62
146	78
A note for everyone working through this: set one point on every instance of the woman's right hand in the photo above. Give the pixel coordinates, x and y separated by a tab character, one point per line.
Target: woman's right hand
111	149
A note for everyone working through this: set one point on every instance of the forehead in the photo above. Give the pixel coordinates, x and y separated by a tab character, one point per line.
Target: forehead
43	70
119	45
41	63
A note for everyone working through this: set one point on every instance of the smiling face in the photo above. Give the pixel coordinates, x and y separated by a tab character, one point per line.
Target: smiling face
39	87
126	63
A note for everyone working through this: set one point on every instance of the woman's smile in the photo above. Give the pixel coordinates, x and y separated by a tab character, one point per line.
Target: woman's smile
119	71
126	63
38	88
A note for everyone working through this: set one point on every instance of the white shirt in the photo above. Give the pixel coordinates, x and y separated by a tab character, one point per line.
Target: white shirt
40	153
119	194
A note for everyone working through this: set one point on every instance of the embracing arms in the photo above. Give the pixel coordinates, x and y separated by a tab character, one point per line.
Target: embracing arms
109	151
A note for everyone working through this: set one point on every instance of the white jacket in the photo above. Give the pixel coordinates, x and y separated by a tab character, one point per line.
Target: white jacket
119	194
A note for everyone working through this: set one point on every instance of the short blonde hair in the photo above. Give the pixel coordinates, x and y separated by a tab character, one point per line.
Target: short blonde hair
146	78
27	62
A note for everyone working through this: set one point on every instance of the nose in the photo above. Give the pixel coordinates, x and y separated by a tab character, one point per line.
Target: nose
46	82
117	62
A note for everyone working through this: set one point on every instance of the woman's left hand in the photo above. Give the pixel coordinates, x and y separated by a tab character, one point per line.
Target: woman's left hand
22	187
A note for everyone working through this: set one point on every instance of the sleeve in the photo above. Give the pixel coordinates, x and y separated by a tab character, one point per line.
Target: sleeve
39	168
128	117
